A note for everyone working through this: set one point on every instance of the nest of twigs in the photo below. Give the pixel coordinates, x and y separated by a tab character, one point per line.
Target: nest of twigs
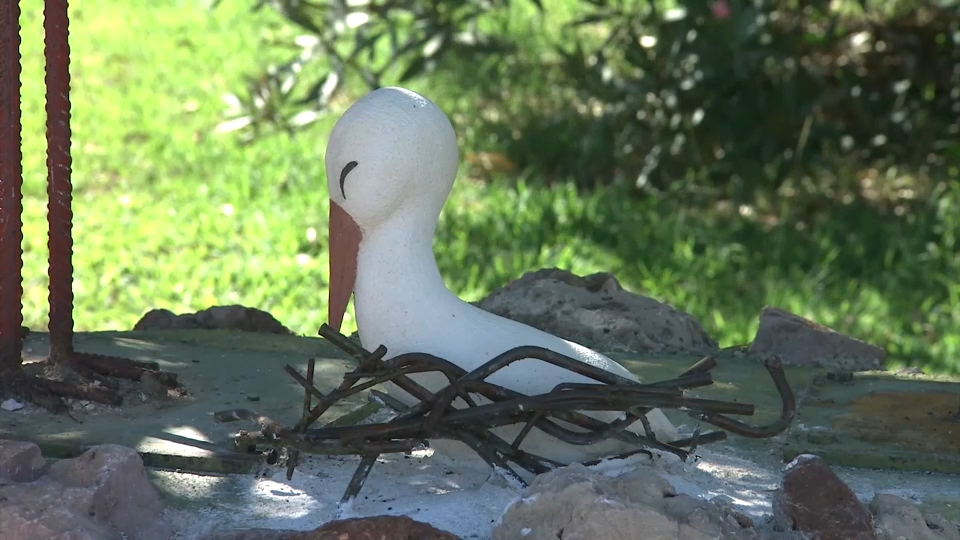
435	417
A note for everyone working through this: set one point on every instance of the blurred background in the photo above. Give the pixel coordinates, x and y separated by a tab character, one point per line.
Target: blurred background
717	155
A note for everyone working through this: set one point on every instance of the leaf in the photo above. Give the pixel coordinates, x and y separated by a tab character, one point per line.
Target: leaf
589	19
234	124
322	90
415	68
304	118
434	45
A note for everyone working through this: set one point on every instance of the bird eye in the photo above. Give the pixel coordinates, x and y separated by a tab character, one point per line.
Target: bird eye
343	175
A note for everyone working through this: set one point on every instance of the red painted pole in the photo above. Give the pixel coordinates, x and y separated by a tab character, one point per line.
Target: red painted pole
11	181
59	191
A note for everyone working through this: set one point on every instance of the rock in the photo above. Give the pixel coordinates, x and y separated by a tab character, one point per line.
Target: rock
20	461
375	528
813	500
151	386
575	503
799	341
104	495
232	317
251	534
897	518
597	312
44	517
242	318
164	319
11	405
368	528
120	492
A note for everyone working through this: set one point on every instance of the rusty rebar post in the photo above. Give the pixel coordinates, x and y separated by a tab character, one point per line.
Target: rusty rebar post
11	182
60	216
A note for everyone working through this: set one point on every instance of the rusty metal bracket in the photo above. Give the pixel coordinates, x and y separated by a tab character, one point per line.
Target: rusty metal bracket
487	406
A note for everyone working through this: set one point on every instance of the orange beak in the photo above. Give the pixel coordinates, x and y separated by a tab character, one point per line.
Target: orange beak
345	236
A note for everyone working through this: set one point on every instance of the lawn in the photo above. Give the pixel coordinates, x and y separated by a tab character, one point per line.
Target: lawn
170	214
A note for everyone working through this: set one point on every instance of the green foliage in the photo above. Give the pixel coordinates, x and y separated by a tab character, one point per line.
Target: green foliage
170	214
772	97
396	40
766	98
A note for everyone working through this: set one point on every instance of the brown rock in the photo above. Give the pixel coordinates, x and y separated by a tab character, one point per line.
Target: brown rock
813	500
232	317
151	386
102	495
377	528
242	318
799	341
597	312
899	518
47	510
577	503
164	319
20	461
368	528
112	485
250	534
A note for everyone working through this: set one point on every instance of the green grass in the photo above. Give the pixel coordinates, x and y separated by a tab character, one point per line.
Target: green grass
169	214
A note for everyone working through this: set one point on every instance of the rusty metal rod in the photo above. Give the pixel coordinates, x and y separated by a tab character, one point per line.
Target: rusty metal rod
488	446
11	196
499	393
308	390
359	477
59	190
788	408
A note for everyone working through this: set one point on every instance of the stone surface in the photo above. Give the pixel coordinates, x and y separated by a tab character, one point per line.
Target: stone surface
375	528
20	461
232	317
103	494
897	518
23	522
11	405
251	534
368	528
575	503
813	500
597	312
799	341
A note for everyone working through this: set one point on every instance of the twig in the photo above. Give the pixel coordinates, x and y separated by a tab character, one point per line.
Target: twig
434	415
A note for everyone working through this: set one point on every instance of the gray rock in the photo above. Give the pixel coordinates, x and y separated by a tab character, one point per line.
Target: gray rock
897	518
103	494
233	317
575	503
20	461
798	341
597	312
812	499
46	509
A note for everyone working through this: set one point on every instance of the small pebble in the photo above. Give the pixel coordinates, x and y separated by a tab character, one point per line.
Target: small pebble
11	405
